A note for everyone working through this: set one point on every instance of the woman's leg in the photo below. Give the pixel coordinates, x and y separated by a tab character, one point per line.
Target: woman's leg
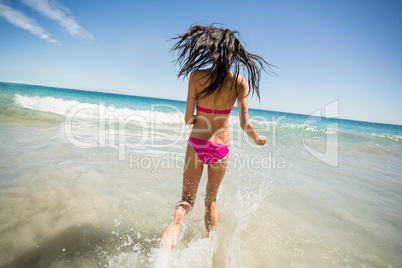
216	172
191	178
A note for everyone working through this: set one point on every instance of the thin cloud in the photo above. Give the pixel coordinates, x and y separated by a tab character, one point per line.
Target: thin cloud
55	11
18	19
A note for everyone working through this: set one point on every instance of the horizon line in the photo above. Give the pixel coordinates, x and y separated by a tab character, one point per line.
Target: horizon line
121	94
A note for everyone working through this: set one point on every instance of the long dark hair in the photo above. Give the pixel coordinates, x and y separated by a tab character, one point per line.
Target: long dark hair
202	46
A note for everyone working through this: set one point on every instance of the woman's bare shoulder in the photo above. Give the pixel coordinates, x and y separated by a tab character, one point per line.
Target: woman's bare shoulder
241	80
199	75
201	72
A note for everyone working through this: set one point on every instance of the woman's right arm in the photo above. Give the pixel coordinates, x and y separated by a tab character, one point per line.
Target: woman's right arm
242	105
189	117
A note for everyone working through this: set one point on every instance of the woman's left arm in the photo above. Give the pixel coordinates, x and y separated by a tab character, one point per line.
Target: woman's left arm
190	118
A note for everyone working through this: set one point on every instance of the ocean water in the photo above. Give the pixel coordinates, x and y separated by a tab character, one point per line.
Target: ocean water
91	180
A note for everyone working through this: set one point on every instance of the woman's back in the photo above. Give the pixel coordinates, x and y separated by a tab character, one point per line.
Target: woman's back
213	92
209	125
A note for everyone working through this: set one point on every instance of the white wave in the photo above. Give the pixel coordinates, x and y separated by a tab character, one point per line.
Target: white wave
45	104
113	114
387	136
78	109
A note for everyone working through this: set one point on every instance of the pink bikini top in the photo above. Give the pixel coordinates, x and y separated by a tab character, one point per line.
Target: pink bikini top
209	111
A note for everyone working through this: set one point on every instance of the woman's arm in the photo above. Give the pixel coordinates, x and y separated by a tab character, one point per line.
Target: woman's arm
190	118
245	124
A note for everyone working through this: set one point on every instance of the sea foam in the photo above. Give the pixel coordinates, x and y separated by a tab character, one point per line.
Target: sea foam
95	111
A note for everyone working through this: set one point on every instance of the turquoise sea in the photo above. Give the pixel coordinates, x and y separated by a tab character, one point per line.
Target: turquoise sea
91	179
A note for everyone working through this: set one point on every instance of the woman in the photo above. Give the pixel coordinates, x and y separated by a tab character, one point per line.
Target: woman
213	91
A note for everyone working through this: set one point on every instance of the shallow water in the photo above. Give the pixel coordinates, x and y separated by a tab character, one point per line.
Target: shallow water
90	190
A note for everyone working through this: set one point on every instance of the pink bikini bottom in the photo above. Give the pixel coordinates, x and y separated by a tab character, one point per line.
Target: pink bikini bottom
208	152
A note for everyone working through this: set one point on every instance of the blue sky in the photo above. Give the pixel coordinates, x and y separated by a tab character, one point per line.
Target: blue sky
348	51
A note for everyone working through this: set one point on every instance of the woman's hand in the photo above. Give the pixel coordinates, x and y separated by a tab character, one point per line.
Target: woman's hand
261	140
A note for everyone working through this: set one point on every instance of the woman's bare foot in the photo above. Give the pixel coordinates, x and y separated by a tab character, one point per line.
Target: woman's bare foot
172	231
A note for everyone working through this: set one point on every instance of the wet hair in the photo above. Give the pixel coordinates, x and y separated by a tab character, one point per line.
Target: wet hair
202	46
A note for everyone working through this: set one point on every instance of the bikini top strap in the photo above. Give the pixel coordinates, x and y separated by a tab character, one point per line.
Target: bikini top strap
209	111
223	111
